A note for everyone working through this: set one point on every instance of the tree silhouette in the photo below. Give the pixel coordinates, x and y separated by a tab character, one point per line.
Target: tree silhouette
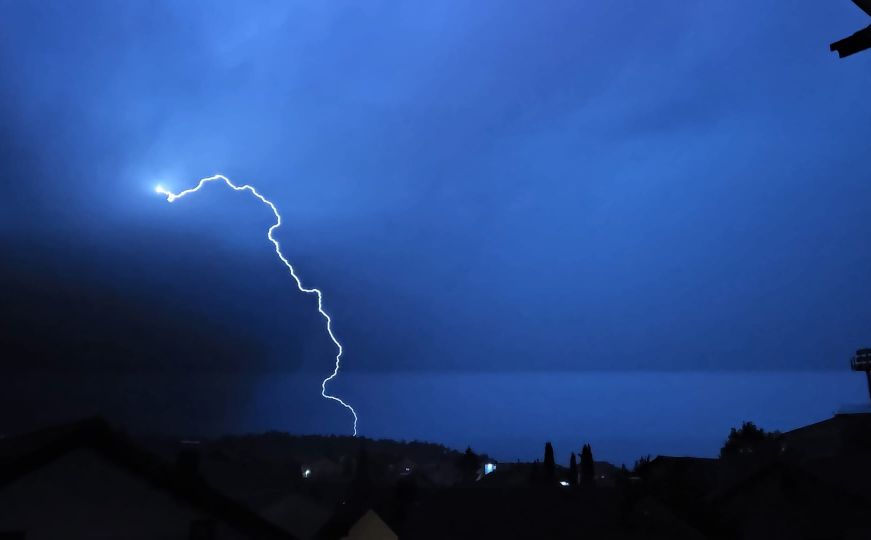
750	441
573	470
468	464
549	463
587	478
641	466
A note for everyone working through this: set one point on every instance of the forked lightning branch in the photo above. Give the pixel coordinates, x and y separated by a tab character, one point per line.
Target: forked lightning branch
172	197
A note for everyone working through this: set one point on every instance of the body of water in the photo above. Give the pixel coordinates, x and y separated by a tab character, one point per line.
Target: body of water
623	415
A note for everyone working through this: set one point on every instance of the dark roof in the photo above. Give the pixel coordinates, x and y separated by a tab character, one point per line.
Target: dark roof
380	500
816	481
841	435
851	474
338	525
837	421
26	453
694	475
536	512
790	501
684	464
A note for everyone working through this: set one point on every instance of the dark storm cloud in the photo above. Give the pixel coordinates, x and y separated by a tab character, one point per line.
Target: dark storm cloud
476	186
60	316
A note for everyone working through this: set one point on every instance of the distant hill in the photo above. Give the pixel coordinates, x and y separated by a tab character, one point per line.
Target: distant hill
257	465
276	445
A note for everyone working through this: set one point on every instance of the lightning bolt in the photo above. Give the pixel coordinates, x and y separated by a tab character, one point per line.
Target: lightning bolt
172	197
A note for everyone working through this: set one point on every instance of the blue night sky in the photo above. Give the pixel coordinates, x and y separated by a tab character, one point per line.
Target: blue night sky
529	219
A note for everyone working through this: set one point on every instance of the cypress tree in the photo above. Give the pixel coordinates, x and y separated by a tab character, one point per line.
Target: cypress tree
549	463
468	465
573	470
587	475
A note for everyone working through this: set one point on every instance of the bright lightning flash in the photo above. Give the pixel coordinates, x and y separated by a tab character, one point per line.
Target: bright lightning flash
171	197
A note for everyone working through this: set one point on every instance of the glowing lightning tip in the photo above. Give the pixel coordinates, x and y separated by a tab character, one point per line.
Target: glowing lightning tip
160	189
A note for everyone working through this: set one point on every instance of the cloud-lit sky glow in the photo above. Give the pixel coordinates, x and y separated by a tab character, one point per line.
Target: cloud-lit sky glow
483	187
